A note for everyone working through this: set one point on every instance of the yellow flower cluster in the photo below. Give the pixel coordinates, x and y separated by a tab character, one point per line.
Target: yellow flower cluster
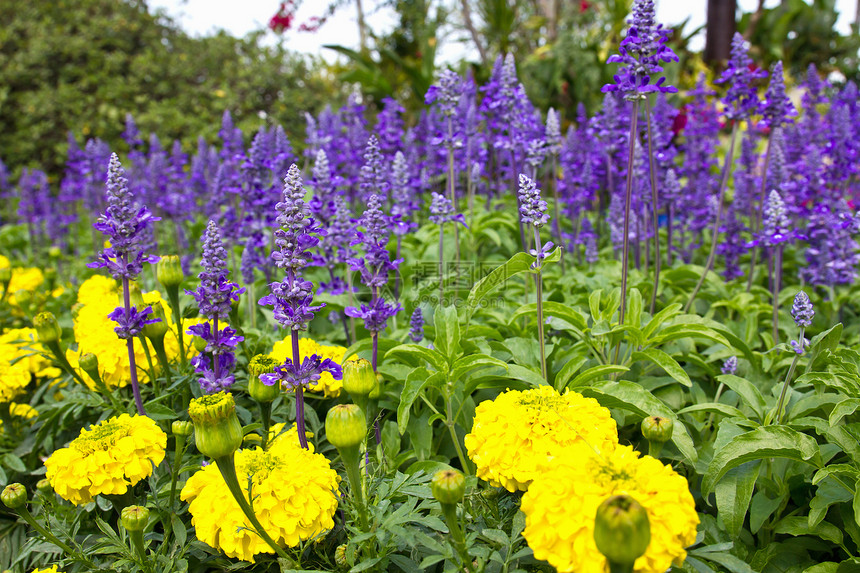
516	436
14	378
53	569
283	349
107	458
98	296
560	507
295	498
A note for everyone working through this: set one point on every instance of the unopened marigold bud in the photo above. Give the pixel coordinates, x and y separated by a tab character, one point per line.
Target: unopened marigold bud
262	364
377	388
55	252
134	295
89	363
135	518
345	426
182	428
358	377
43	486
340	555
156	330
657	429
252	439
217	431
199	344
622	530
5	275
47	327
448	486
14	496
168	271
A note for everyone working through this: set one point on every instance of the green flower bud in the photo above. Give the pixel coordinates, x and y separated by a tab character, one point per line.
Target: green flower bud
377	388
43	486
14	496
262	364
47	327
134	295
182	428
5	275
50	275
358	377
340	555
168	271
55	253
252	439
345	426
217	430
135	518
448	486
89	363
622	530
199	344
657	429
156	330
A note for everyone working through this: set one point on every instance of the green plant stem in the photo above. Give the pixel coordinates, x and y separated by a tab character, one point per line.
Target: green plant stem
227	467
350	458
781	402
777	276
654	207
161	356
441	266
51	538
179	449
757	216
266	419
61	359
451	194
619	567
539	300
449	421
712	255
173	296
103	388
150	364
628	197
449	510
654	449
137	542
556	221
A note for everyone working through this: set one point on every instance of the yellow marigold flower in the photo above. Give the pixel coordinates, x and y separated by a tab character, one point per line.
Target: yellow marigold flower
26	341
94	332
561	504
53	569
29	278
283	349
294	498
18	364
107	458
25	411
516	436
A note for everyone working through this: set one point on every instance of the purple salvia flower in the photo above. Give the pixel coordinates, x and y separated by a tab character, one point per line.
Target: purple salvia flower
416	325
131	324
402	196
732	247
215	293
776	108
389	127
533	209
552	138
730	366
831	257
775	224
641	53
446	93
588	237
741	99
801	310
373	180
123	222
375	315
442	211
306	374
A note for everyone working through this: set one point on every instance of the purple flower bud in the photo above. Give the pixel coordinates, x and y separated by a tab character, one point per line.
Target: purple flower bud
416	324
730	366
802	310
533	209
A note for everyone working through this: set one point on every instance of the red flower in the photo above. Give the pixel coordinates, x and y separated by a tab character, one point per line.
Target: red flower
680	121
584	5
283	18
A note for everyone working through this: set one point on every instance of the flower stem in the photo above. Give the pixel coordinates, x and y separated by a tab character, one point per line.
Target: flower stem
266	419
179	449
173	296
756	221
654	207
449	510
777	276
539	301
788	376
449	421
135	386
227	467
163	362
61	359
441	265
628	197
350	458
137	542
451	194
300	397
51	538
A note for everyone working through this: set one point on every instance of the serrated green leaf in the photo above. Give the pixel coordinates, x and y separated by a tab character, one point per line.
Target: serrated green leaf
733	495
466	363
666	362
595	372
412	387
515	265
799	525
761	443
447	325
842	409
432	357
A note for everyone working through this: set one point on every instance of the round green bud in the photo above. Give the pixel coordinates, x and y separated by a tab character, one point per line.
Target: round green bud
262	364
345	426
657	429
182	428
168	271
377	388
217	431
55	252
14	496
135	518
622	530
448	486
156	330
89	363
47	327
359	379
5	275
43	486
340	555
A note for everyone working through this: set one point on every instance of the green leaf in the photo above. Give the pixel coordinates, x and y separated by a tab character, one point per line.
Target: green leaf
407	351
158	411
594	304
595	372
531	377
747	391
666	362
634	398
724	409
555	309
733	494
13	462
799	525
842	409
658	319
569	369
761	443
688	331
412	387
634	309
466	363
447	325
515	265
825	341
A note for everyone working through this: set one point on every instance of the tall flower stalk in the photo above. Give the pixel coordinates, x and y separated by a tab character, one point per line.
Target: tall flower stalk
292	298
775	232
640	53
441	212
124	223
214	297
802	312
533	213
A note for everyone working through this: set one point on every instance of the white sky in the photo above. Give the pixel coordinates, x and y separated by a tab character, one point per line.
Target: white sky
200	17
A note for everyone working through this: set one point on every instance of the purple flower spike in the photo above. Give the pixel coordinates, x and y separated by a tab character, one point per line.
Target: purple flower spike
442	211
416	325
131	323
124	223
303	375
446	93
775	226
375	314
776	108
730	366
641	53
802	310
533	209
215	293
742	96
